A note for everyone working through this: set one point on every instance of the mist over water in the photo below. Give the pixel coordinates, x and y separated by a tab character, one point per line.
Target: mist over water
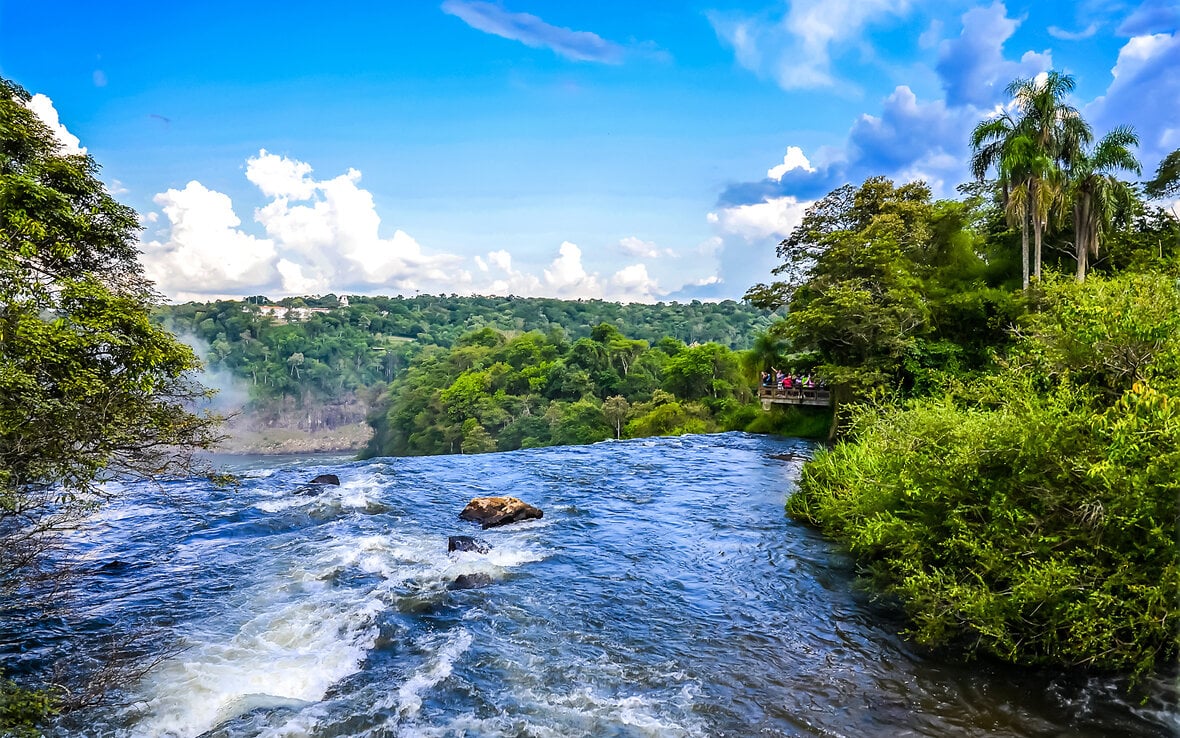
664	593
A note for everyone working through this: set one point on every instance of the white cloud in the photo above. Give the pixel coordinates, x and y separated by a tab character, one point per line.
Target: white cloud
43	108
567	277
501	259
1065	35
635	246
973	68
534	32
771	218
511	282
1144	91
1152	16
932	35
1138	53
797	49
336	232
296	283
794	159
322	235
205	252
632	284
278	176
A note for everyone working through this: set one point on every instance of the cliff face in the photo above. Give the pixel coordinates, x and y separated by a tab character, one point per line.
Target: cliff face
290	427
345	438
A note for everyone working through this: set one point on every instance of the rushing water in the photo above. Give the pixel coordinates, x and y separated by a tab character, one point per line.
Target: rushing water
664	593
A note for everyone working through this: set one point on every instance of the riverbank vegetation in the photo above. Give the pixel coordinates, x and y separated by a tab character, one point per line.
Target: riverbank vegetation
495	392
1009	452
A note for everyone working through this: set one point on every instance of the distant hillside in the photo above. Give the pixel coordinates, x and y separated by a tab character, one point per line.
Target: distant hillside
314	365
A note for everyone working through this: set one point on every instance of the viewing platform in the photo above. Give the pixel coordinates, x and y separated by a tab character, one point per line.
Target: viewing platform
778	395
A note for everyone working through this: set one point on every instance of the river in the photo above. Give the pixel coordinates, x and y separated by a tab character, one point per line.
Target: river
664	593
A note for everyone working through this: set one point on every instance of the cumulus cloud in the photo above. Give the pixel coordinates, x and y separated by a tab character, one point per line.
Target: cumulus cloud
43	108
796	49
533	32
907	139
632	284
913	140
973	68
772	218
794	159
1152	16
566	277
1144	80
322	235
205	251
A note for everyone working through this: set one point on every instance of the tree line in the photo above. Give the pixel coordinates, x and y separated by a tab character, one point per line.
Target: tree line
335	352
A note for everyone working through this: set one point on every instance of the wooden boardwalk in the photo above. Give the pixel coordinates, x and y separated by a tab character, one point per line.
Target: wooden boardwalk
779	395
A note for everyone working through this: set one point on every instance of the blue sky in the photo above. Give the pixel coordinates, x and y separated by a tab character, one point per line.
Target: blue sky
638	151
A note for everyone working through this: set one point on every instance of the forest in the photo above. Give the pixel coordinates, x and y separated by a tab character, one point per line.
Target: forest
493	392
323	360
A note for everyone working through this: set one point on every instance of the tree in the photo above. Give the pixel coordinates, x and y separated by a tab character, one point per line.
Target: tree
1028	151
1097	192
615	409
90	389
1166	182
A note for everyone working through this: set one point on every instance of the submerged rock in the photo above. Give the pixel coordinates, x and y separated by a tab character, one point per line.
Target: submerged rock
471	581
492	511
316	486
467	543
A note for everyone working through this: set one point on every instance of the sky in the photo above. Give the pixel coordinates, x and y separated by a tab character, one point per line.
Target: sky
651	151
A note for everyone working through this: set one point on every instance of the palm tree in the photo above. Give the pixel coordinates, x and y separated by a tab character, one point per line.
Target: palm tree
769	350
1097	192
1029	150
992	141
1059	134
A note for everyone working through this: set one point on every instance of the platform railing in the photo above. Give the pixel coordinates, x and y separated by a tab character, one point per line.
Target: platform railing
778	394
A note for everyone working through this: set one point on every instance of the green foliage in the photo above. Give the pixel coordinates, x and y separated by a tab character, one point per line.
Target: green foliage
322	356
797	422
90	389
23	710
1166	182
889	290
495	392
1030	515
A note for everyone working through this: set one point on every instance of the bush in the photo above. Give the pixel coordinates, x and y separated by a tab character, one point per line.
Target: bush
1029	516
797	422
22	710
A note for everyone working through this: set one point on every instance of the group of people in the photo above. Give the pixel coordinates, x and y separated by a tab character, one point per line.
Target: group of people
779	378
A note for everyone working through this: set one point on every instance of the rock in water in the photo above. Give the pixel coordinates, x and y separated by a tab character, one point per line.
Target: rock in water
467	543
492	511
470	581
326	479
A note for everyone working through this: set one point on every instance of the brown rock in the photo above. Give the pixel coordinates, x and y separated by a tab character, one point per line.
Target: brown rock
492	511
